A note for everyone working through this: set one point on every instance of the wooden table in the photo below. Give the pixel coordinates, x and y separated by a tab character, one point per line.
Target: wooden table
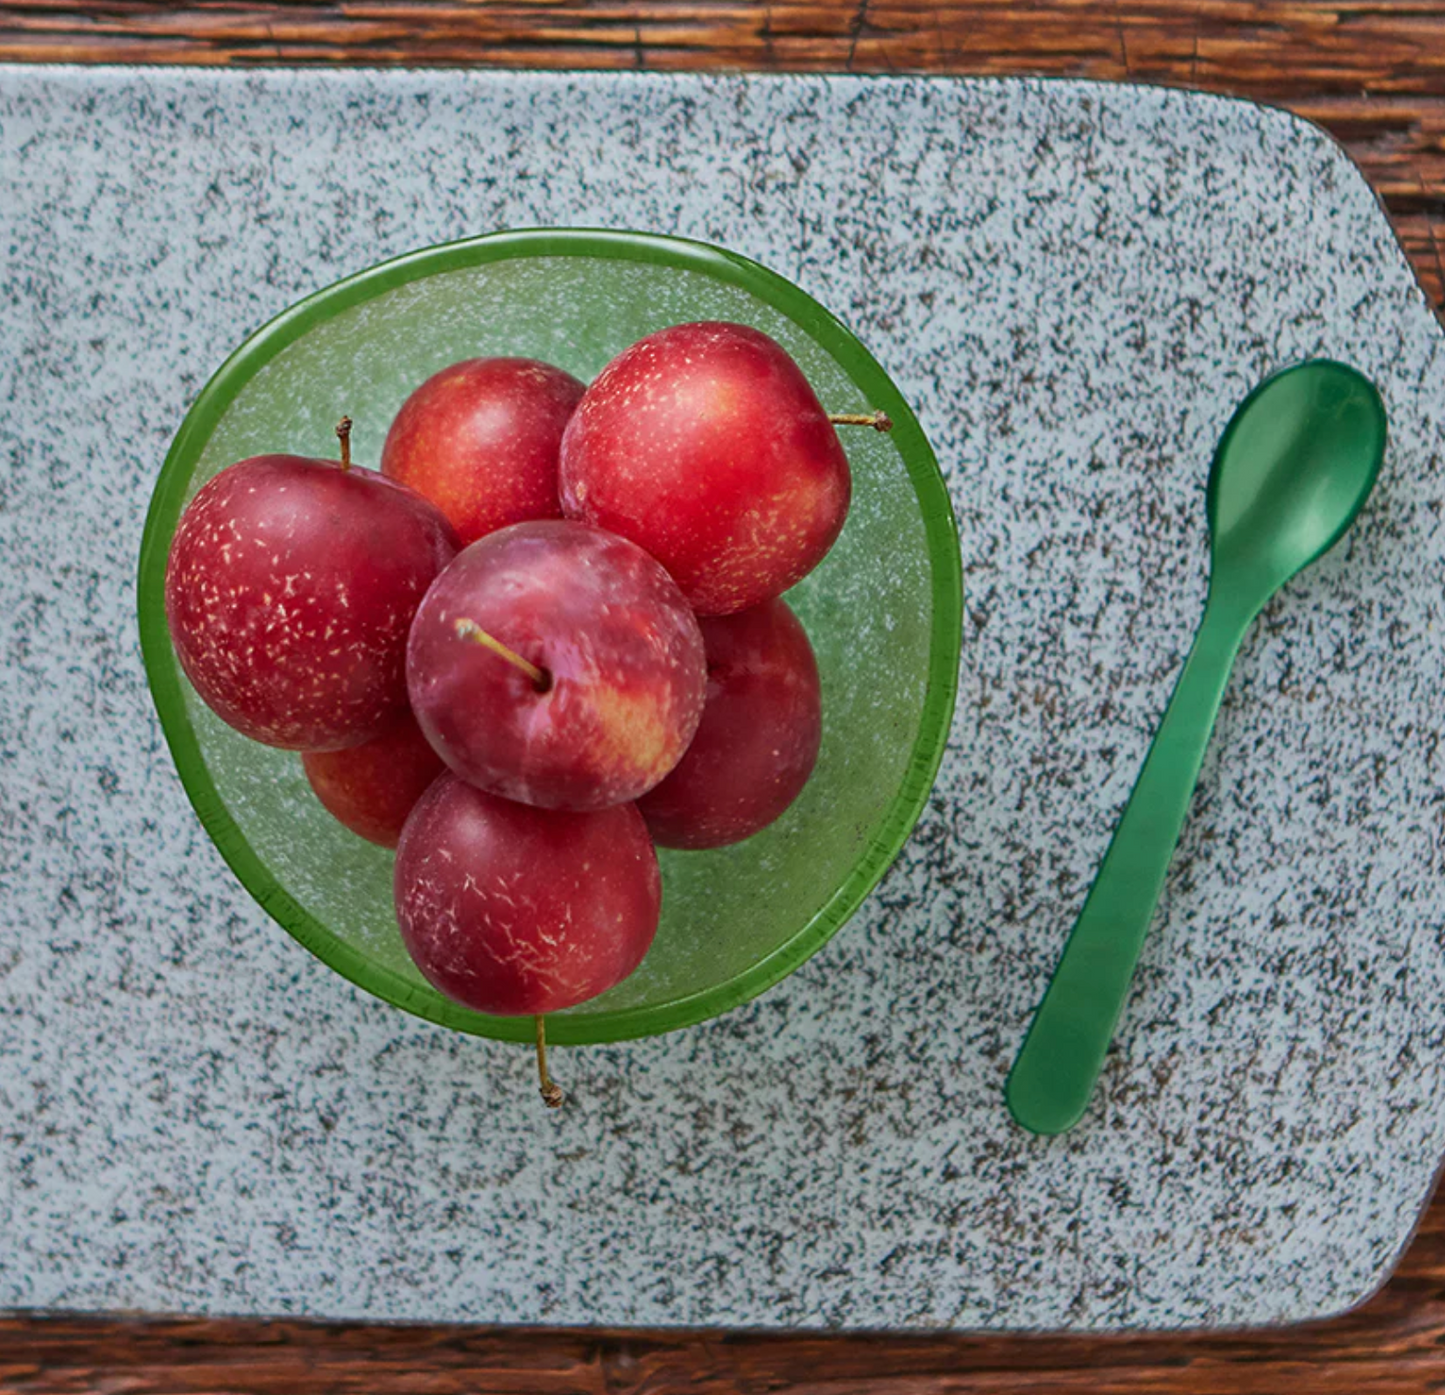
1372	73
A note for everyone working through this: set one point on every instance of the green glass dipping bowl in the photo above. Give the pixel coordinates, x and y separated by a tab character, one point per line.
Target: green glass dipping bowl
883	611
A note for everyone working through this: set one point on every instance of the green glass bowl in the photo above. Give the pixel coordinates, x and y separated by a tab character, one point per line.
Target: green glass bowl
883	610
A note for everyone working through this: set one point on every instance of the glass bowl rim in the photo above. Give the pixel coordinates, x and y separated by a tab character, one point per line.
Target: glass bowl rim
945	638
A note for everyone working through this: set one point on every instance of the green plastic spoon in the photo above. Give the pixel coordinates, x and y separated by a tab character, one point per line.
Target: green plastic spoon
1296	463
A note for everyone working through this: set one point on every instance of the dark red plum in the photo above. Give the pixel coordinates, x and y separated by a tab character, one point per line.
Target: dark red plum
705	445
513	910
758	739
290	590
481	440
372	788
558	665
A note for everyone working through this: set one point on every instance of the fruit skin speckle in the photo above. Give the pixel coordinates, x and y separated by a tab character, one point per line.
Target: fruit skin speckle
511	909
290	588
705	445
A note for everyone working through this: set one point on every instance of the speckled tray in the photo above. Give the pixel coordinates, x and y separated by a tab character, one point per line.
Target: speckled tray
1074	284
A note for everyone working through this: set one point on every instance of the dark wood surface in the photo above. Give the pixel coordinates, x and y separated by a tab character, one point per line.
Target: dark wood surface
1374	75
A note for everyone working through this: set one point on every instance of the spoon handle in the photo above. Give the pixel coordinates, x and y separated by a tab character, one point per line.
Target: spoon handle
1054	1074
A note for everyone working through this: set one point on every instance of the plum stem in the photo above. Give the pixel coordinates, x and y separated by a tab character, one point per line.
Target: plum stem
343	434
469	629
551	1090
879	421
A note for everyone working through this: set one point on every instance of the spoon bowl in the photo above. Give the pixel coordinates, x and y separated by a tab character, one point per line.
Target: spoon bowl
1293	468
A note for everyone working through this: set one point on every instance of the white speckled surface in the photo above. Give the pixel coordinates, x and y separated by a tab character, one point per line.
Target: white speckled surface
1074	284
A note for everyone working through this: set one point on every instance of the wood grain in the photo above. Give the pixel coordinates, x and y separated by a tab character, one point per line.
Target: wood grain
1371	73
